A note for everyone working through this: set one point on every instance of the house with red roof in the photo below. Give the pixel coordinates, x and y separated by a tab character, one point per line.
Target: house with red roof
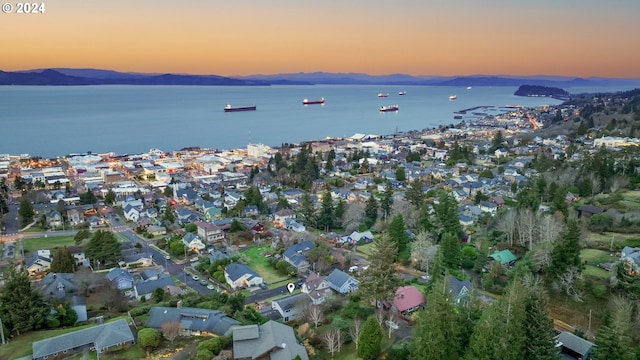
408	299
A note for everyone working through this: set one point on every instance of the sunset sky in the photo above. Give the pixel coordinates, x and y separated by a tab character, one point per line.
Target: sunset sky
243	37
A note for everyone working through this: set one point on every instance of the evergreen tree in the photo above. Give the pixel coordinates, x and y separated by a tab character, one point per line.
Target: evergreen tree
339	212
400	174
499	334
386	201
613	341
380	281
450	251
110	197
326	219
26	212
397	233
369	340
371	211
446	212
22	308
307	210
436	335
81	235
63	261
414	193
566	251
541	343
103	247
331	156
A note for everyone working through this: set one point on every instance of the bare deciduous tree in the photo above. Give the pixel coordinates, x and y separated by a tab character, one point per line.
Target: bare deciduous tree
171	330
379	316
354	331
569	283
423	250
353	217
314	314
507	224
331	340
550	228
618	182
390	325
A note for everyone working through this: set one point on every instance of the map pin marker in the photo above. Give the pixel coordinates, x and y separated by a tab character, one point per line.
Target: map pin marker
291	287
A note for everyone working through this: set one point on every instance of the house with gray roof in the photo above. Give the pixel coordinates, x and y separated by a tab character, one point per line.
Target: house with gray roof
193	321
631	256
57	285
342	282
240	276
316	287
120	279
145	288
271	340
291	307
296	255
573	346
108	336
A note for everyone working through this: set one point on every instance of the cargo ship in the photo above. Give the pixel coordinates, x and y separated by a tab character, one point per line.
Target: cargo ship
383	95
229	108
312	102
389	108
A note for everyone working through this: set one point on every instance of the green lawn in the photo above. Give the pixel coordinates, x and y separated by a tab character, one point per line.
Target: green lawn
366	249
260	264
49	242
596	272
594	256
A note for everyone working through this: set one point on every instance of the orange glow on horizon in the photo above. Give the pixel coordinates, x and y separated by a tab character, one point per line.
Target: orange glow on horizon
496	37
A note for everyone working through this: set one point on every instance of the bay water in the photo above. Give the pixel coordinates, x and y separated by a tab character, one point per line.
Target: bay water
52	121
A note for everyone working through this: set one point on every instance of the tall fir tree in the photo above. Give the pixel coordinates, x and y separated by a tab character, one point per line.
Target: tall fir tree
450	251
380	279
22	308
326	219
414	193
541	342
369	340
63	261
371	211
397	233
613	341
307	209
499	334
446	213
566	251
386	201
437	334
103	247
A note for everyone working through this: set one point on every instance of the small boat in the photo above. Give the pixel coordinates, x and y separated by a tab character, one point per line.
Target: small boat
389	108
402	93
229	108
383	95
453	97
312	102
468	87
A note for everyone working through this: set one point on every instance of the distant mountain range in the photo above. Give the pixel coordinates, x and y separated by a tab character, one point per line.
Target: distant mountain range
64	76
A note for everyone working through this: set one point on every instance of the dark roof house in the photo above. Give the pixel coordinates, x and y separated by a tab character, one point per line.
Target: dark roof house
193	321
101	337
271	340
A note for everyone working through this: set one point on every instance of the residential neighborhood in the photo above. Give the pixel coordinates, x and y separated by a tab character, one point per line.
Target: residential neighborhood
293	251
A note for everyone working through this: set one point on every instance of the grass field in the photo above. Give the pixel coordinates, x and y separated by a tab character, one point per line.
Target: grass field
366	249
594	256
260	264
49	242
596	272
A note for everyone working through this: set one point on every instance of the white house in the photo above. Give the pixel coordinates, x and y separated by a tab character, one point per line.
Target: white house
240	276
290	307
342	282
193	242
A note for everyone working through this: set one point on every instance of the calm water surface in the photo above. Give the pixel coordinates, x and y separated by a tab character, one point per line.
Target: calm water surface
53	121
